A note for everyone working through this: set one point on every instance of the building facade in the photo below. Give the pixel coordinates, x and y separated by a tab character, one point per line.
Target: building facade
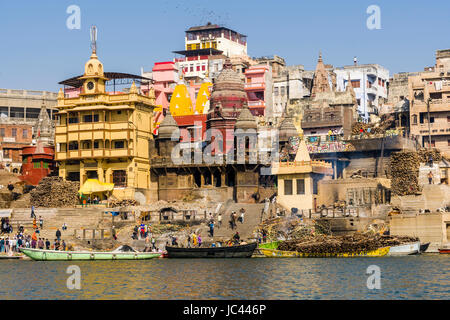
370	83
430	91
105	135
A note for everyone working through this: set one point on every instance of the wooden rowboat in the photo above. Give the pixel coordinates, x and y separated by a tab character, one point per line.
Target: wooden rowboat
53	255
240	251
273	253
405	249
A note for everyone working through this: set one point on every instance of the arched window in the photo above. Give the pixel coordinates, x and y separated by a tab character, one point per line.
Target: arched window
414	118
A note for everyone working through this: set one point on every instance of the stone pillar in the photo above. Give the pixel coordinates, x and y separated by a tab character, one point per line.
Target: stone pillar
222	179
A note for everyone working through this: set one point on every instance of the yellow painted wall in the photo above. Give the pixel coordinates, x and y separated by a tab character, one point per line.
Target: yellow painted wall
299	201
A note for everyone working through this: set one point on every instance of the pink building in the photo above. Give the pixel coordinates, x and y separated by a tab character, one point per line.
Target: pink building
258	86
165	78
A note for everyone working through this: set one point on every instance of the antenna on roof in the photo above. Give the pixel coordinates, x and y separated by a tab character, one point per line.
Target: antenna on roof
94	39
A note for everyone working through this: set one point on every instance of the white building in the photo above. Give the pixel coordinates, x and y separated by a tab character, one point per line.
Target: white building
370	83
205	47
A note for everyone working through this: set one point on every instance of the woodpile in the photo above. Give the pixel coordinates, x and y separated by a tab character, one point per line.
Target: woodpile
123	203
54	192
341	244
425	154
405	173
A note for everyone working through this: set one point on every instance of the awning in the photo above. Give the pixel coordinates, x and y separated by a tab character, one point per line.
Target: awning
94	186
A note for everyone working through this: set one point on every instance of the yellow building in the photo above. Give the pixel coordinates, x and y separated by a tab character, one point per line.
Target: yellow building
298	179
104	135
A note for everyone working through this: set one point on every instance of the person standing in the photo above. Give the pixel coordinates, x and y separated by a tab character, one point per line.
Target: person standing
47	244
63	246
430	177
219	220
33	215
41	243
194	239
41	222
153	243
211	228
242	215
236	238
199	240
58	234
114	235
189	241
2	244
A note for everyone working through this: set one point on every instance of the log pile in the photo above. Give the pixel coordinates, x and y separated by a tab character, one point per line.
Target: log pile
54	192
123	203
405	173
342	244
425	154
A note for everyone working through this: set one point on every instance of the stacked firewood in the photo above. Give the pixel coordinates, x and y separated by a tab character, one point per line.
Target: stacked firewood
54	192
425	154
405	173
123	203
341	244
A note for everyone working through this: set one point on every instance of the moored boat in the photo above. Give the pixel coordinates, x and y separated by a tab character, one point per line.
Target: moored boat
53	255
238	251
405	249
424	247
273	253
444	250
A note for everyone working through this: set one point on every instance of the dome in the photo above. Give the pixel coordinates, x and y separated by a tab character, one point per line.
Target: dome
228	90
246	120
287	129
93	67
168	126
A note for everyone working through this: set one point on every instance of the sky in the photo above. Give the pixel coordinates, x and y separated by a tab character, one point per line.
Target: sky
37	50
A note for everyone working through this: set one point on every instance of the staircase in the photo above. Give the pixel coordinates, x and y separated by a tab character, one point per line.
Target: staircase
75	219
433	196
252	219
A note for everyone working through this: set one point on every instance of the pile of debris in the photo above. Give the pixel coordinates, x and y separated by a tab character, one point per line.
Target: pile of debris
379	127
123	203
342	244
52	192
405	173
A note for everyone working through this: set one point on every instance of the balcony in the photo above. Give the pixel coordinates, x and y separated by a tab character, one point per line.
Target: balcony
93	153
253	86
256	104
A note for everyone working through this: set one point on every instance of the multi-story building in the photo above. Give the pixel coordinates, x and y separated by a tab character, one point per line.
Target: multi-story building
19	111
205	50
370	83
258	86
104	135
429	91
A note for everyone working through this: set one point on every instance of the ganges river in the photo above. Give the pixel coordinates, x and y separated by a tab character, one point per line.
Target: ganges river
411	277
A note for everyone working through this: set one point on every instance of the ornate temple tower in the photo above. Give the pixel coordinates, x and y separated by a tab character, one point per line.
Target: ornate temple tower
321	82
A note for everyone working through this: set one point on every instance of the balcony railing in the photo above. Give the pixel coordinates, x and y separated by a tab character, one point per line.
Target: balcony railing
255	85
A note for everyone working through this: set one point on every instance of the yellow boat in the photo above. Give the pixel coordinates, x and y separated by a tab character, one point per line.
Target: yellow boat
273	253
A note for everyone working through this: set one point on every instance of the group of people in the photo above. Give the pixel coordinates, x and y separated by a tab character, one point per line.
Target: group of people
141	231
234	218
86	201
11	244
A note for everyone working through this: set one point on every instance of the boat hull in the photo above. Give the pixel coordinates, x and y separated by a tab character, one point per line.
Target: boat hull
241	251
444	251
272	253
405	249
52	255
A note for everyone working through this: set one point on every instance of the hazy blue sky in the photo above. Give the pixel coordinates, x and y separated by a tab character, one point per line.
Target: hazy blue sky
38	50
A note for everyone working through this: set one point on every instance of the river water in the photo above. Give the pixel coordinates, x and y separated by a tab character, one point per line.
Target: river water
411	277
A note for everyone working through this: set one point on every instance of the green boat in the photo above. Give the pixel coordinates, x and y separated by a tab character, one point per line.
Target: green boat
53	255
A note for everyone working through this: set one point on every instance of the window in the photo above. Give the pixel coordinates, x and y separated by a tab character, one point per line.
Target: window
96	144
414	118
191	68
25	133
300	186
203	67
275	91
73	145
73	120
198	68
287	187
36	165
25	160
45	165
119	144
448	118
356	83
120	178
283	90
14	132
2	132
90	118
